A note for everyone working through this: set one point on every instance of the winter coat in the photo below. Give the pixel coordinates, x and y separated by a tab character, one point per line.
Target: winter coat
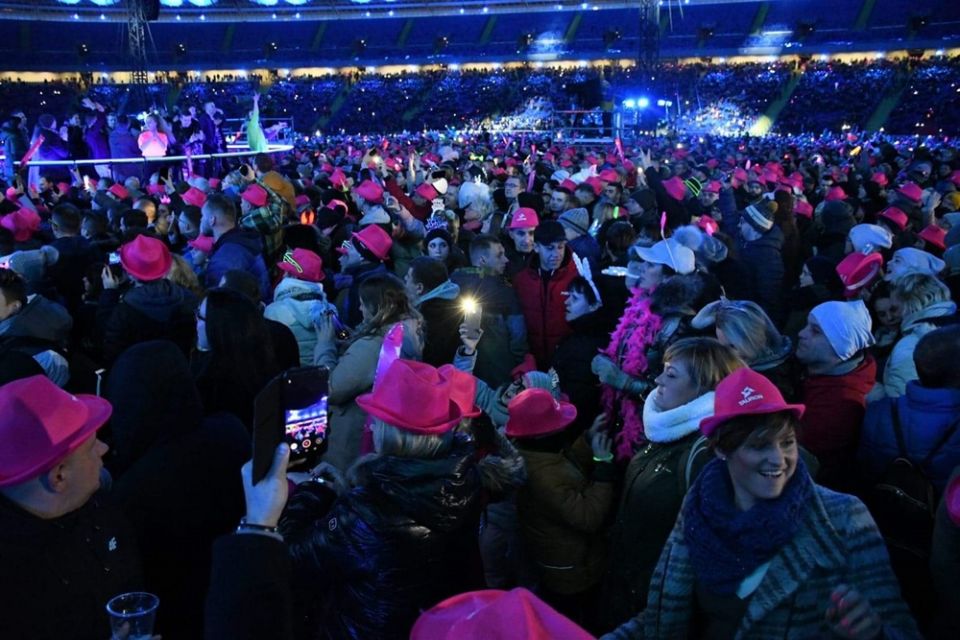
240	249
925	415
59	574
654	485
95	137
587	248
76	254
40	330
677	214
157	310
763	260
504	341
900	369
838	543
830	427
39	319
123	144
293	305
366	565
442	315
542	302
250	597
351	374
571	361
14	147
158	435
561	510
945	570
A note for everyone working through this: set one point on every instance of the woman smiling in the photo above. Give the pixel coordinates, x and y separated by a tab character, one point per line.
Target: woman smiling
759	550
659	474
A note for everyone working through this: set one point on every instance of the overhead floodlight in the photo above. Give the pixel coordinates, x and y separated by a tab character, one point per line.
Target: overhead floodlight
643	103
630	103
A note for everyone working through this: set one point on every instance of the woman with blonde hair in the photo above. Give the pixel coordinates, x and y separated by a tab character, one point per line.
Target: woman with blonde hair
924	303
746	328
658	476
353	363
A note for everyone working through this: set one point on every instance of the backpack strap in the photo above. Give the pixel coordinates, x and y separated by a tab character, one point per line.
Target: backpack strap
699	446
944	438
901	443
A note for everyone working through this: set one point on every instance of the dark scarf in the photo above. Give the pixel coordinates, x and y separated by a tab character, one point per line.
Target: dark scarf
726	544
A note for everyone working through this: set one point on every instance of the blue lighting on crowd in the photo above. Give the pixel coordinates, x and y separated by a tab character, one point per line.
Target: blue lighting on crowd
636	103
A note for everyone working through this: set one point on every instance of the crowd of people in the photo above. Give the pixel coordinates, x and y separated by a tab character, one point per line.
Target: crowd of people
676	387
829	95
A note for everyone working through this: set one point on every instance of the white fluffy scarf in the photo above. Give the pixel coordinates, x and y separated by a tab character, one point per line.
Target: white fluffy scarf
673	424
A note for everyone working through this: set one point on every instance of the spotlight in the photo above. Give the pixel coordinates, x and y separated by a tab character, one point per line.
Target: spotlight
83	49
630	103
643	103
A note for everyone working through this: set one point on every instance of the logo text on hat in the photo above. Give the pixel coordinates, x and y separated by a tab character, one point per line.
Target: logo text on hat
749	395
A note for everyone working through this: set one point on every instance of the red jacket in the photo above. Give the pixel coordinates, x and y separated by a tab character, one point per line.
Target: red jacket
542	303
830	428
420	213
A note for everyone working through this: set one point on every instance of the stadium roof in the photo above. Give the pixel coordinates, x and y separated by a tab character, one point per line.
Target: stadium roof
215	10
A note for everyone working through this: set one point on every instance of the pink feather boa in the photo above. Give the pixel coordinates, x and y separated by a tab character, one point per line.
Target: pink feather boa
636	330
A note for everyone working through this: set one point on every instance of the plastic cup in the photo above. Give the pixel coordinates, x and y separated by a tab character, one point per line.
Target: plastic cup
132	615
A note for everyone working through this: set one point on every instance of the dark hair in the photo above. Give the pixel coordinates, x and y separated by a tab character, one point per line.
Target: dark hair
66	217
481	244
582	286
123	119
734	432
133	218
221	205
936	356
100	223
7	242
243	282
387	299
240	346
617	186
429	272
193	214
13	286
263	162
620	236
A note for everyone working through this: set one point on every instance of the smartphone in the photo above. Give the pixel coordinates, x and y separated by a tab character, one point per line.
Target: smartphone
292	408
115	257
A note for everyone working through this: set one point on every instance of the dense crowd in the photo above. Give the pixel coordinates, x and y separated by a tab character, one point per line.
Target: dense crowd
664	388
829	95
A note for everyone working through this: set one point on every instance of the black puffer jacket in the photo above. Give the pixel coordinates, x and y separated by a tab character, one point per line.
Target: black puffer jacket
763	259
177	477
571	361
157	310
366	566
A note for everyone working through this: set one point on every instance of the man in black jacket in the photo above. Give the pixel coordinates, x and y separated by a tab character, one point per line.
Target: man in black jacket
438	299
154	308
64	553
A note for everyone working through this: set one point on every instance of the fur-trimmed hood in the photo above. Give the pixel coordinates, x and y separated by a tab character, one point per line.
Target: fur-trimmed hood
684	294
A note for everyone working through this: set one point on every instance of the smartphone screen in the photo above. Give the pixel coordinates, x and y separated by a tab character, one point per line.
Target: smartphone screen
291	408
303	403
